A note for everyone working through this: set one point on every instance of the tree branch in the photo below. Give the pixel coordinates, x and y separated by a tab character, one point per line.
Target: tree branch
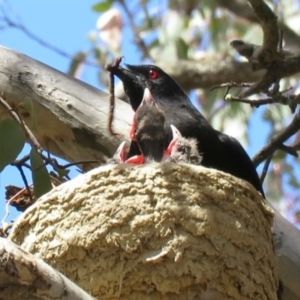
70	116
140	42
242	9
24	276
213	71
278	140
268	22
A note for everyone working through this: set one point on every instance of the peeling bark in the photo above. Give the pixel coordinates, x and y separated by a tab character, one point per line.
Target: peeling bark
69	116
23	276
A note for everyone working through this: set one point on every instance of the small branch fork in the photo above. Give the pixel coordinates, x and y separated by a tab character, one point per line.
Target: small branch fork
278	64
59	176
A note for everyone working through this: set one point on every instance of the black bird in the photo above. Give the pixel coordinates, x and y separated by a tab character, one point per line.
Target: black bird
219	150
182	149
148	131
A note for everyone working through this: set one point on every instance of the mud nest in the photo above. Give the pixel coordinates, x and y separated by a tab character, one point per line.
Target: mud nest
157	231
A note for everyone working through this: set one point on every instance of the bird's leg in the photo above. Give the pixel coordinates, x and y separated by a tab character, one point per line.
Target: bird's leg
137	160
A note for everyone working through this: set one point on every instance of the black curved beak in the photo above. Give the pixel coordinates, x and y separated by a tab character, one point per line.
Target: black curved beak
133	83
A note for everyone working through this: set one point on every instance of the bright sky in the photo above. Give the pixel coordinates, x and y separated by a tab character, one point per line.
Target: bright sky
65	24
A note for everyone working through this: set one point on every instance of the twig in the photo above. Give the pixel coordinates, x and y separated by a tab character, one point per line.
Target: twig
21	161
230	85
140	42
265	169
56	166
32	140
278	140
110	68
253	103
268	22
76	163
290	100
288	149
25	182
8	203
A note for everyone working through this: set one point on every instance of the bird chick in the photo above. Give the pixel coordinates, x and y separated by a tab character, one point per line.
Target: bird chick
182	149
148	131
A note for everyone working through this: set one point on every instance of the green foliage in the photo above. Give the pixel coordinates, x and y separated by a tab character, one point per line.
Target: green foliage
102	6
182	49
62	172
40	176
27	105
12	140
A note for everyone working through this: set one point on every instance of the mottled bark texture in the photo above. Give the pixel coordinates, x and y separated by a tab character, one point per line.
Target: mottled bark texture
157	231
25	277
68	117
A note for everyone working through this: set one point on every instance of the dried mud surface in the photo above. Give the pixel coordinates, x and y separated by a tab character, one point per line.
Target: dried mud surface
157	231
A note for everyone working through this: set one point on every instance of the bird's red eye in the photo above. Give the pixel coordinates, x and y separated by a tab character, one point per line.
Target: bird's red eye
153	74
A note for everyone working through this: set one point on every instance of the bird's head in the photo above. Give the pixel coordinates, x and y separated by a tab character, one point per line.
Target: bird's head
136	78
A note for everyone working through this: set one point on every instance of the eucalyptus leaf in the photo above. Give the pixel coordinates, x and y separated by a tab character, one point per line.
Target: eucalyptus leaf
12	140
27	105
76	63
40	176
182	49
62	172
102	6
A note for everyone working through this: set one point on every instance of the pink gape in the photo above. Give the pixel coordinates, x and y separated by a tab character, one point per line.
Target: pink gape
147	100
120	155
121	152
140	159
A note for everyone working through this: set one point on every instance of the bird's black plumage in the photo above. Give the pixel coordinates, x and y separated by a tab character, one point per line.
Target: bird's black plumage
219	150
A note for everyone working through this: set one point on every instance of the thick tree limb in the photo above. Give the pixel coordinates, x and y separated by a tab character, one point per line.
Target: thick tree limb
268	22
207	73
69	117
24	276
278	63
242	9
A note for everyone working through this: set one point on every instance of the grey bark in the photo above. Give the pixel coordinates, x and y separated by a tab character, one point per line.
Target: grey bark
24	276
70	116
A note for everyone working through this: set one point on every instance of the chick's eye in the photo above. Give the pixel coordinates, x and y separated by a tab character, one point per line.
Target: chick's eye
153	74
